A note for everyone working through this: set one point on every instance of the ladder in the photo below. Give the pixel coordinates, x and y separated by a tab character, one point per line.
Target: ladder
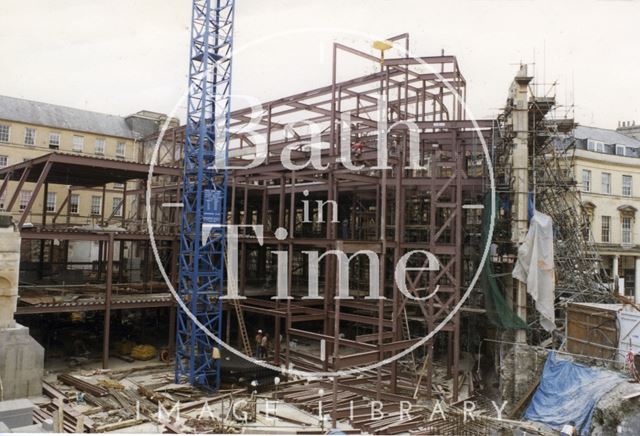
246	343
425	364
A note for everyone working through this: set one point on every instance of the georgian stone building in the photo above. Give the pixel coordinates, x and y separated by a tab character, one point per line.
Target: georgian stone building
607	168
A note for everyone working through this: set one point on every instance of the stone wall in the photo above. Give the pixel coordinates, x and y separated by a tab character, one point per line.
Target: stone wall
21	363
520	367
616	415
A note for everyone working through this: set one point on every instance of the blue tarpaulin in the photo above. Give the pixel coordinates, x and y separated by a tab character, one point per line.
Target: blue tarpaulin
569	392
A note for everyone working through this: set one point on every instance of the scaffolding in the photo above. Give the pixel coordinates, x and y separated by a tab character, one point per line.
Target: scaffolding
553	190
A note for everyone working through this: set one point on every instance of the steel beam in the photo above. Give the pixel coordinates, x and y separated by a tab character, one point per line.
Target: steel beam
107	304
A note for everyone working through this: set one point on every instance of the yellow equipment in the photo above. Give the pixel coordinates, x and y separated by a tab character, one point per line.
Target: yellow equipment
143	352
382	46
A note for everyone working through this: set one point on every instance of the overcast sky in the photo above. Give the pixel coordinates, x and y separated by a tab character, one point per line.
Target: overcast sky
121	56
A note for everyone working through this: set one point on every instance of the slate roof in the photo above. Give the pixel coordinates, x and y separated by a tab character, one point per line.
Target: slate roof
607	136
62	117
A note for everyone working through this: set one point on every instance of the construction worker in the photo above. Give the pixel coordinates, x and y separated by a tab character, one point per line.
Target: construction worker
357	148
259	344
264	345
215	353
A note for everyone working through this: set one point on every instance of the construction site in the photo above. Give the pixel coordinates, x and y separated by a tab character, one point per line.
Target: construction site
360	258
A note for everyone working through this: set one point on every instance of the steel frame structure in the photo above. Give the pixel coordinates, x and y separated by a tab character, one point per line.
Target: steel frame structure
271	195
201	275
82	173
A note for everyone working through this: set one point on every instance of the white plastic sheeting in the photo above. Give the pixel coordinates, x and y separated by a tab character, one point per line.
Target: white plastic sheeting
629	332
536	268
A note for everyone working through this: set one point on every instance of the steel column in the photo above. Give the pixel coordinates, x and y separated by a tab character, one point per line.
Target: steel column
107	304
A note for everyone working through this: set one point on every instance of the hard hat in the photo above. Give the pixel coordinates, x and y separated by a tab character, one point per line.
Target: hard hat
259	331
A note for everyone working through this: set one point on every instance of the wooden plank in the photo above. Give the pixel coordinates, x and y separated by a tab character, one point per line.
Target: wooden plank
523	401
591	331
82	385
51	392
118	425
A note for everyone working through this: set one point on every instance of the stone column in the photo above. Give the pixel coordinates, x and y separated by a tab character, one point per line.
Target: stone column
21	357
520	117
9	270
614	273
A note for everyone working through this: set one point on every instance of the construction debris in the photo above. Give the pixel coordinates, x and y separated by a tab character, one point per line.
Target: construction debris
83	385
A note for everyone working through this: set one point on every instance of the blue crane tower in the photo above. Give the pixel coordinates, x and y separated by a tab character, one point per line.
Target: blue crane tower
204	192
